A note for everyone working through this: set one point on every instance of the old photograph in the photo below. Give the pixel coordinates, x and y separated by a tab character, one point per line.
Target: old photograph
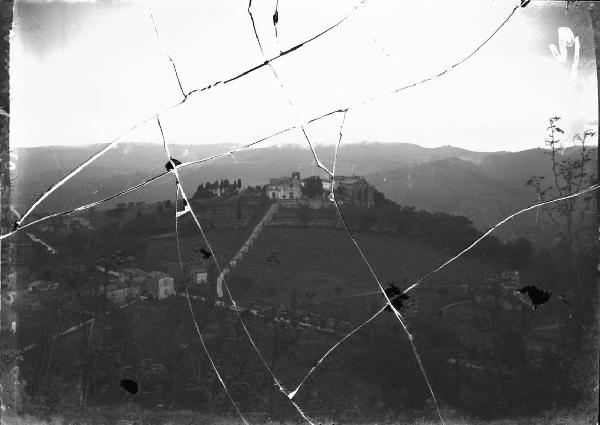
299	212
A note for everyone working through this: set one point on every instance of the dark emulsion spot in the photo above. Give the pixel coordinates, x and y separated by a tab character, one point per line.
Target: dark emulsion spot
173	161
130	386
396	296
205	252
537	296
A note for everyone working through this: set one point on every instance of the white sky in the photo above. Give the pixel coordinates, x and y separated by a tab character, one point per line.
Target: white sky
84	72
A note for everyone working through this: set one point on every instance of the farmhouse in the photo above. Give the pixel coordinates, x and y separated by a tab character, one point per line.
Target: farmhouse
119	292
196	273
131	274
134	282
41	285
355	190
110	272
77	223
285	187
160	285
64	225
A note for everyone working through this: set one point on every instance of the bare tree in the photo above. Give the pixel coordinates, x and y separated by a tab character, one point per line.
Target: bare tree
570	174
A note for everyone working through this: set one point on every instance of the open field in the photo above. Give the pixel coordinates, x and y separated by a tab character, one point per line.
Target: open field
323	267
308	270
224	240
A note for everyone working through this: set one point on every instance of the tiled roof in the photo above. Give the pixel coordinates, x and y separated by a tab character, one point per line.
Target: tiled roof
280	180
157	275
351	181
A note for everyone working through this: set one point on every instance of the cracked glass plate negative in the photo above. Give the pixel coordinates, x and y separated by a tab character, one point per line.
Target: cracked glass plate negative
277	211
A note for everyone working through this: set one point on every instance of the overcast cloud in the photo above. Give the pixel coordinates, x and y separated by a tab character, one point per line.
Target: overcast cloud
84	72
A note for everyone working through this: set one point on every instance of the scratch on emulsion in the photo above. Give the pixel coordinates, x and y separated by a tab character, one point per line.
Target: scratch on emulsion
19	223
189	210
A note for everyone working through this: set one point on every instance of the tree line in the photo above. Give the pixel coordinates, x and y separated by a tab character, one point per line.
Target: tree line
217	188
438	229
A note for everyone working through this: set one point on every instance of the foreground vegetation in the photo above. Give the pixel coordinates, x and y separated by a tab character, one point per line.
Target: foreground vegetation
131	414
486	358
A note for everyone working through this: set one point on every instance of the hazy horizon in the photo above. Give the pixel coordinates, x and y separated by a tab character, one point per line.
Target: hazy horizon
297	145
84	72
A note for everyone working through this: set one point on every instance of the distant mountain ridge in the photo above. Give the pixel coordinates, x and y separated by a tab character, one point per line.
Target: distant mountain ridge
485	190
453	186
446	178
130	163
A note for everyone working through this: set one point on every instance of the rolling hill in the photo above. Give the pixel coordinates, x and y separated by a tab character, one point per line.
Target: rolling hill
485	190
482	186
131	163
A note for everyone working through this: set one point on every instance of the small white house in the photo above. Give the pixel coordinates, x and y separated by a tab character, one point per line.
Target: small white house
161	285
201	277
166	287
